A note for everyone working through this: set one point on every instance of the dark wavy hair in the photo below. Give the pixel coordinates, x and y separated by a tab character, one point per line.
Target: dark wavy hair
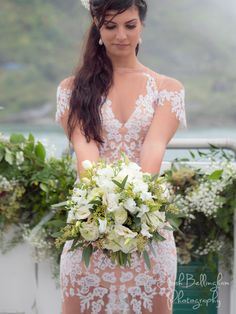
94	76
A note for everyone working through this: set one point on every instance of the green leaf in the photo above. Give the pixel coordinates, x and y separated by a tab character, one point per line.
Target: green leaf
87	252
8	156
117	183
40	151
152	249
124	182
17	138
158	237
192	154
44	187
57	234
147	259
31	138
2	153
76	244
215	175
57	223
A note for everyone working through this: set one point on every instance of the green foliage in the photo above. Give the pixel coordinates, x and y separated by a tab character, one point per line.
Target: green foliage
30	183
208	202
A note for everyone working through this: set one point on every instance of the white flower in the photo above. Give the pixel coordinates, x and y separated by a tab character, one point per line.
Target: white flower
87	164
105	184
94	194
142	210
146	196
145	231
102	225
82	212
130	205
129	245
112	201
89	231
106	172
19	158
141	187
124	231
120	216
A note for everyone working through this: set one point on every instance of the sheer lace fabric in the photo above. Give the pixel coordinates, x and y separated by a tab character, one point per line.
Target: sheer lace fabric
127	114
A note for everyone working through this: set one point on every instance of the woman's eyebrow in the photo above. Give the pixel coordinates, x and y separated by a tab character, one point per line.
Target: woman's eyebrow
107	21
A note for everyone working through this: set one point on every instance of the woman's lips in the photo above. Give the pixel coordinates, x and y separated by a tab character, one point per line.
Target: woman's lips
121	45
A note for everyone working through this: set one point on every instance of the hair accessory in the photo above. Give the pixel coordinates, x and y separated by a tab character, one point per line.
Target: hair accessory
100	42
86	4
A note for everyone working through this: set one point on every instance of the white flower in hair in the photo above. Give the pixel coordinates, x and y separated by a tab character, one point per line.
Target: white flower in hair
85	3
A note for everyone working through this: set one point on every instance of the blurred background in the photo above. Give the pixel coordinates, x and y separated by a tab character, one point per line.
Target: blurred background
40	44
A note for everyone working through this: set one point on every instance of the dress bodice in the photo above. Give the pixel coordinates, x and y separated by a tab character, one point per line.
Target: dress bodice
140	92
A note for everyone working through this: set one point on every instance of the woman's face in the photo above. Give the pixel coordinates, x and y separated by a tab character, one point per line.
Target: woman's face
121	34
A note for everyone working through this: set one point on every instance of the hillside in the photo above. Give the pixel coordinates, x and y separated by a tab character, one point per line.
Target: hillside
40	44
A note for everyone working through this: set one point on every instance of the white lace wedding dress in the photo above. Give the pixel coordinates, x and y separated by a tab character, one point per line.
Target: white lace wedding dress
104	287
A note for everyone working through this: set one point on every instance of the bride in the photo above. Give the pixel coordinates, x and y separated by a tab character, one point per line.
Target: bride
114	103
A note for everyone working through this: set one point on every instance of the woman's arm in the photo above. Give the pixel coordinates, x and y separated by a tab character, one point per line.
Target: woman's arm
166	120
82	148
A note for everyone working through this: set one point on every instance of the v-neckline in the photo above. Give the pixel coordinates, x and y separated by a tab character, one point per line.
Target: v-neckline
109	103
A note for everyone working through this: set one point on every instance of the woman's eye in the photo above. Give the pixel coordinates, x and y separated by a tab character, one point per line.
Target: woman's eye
130	26
110	27
113	26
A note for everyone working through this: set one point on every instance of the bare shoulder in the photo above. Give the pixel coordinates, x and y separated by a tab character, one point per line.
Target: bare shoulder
166	82
67	83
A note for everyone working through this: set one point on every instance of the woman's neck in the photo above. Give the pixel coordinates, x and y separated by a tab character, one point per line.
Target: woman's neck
126	62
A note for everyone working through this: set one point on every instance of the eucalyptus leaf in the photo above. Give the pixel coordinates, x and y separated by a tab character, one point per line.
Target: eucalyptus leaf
124	182
87	252
147	259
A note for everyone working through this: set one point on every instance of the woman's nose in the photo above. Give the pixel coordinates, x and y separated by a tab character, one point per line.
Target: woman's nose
121	34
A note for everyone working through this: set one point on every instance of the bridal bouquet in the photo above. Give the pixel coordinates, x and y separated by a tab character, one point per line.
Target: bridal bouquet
119	209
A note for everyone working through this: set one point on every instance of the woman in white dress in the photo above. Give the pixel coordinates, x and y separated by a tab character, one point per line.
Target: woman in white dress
114	103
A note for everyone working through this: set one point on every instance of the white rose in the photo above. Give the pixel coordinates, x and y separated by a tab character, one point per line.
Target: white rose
110	242
82	212
89	231
120	216
125	232
87	164
94	194
127	246
102	225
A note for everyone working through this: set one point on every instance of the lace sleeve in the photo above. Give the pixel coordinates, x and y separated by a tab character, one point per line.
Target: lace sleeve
63	99
172	92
